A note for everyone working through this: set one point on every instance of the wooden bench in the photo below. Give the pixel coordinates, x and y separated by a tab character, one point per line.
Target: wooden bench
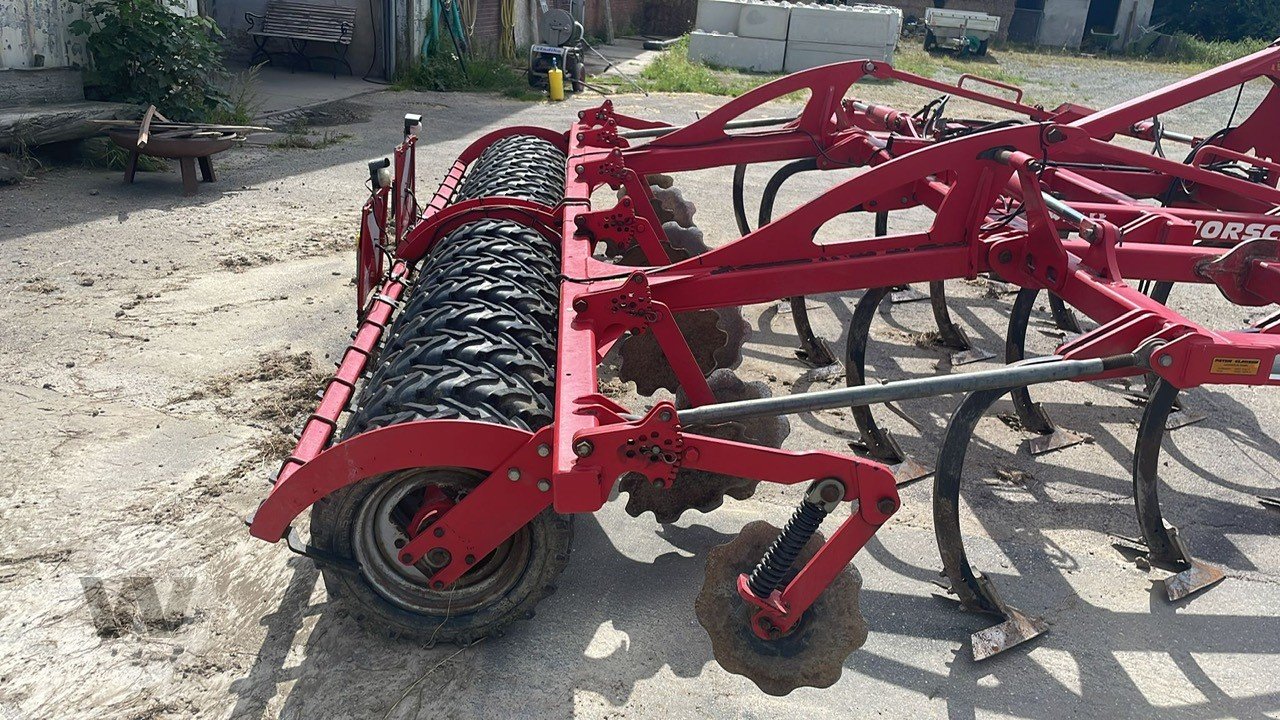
301	23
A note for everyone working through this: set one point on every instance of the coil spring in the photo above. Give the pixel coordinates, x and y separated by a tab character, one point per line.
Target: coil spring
772	569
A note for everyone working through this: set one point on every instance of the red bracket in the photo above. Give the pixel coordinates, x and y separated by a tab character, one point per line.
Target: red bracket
631	307
876	493
608	170
621	226
604	136
652	446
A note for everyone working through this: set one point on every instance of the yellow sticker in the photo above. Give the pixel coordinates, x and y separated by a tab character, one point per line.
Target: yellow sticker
1235	366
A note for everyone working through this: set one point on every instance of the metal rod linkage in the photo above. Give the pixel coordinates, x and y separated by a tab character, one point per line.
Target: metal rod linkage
1039	370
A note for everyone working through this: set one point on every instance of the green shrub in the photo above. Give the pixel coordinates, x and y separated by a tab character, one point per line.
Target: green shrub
144	52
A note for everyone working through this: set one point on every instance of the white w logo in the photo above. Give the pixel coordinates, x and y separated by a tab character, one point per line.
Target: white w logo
137	606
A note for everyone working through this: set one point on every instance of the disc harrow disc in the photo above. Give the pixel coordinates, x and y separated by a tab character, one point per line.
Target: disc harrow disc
698	489
812	654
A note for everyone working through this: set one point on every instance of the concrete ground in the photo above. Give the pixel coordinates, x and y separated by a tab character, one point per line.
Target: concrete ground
158	348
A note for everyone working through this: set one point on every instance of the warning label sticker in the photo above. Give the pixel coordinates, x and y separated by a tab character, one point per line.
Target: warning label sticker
1235	366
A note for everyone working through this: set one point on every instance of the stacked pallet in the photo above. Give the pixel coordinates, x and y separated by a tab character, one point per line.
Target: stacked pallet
763	36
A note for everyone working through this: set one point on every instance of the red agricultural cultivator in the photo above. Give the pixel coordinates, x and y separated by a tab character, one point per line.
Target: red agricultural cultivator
443	509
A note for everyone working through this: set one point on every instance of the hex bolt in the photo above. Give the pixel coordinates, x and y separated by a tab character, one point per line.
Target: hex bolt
583	448
1005	256
1165	360
544	450
470	559
438	557
886	506
513	474
438	532
665	416
544	485
658	483
580	305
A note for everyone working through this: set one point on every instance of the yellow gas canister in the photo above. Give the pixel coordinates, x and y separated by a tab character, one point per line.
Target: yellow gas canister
555	81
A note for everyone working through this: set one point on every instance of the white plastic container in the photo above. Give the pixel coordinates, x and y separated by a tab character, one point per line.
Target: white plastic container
754	54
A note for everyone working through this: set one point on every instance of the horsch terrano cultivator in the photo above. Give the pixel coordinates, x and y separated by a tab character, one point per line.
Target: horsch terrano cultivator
443	510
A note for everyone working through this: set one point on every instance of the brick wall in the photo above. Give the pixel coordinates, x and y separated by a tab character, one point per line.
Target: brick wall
488	27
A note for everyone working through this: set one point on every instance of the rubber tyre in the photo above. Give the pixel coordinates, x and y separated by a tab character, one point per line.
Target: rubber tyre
982	48
516	166
466	349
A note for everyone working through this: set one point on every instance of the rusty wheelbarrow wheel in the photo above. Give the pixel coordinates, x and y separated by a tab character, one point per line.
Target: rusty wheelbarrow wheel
812	654
443	361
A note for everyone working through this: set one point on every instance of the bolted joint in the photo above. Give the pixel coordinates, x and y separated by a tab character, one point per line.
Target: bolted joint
826	494
583	448
887	506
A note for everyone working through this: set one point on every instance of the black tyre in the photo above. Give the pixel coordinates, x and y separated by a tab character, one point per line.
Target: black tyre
982	48
474	342
518	166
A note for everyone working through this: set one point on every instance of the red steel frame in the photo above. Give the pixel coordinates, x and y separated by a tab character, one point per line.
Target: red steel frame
970	183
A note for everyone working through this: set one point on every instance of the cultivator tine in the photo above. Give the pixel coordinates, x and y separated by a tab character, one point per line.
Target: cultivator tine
877	442
739	199
1165	546
950	335
1268	501
1032	415
813	349
1063	316
975	592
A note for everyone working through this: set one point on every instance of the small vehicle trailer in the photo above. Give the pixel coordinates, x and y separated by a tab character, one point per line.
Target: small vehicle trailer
961	31
443	509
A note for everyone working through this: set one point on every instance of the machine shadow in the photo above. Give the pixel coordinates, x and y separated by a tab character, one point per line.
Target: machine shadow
608	627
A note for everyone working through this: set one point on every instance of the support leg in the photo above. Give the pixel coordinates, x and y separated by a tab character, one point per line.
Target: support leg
206	169
132	168
1165	547
1032	415
975	592
188	166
